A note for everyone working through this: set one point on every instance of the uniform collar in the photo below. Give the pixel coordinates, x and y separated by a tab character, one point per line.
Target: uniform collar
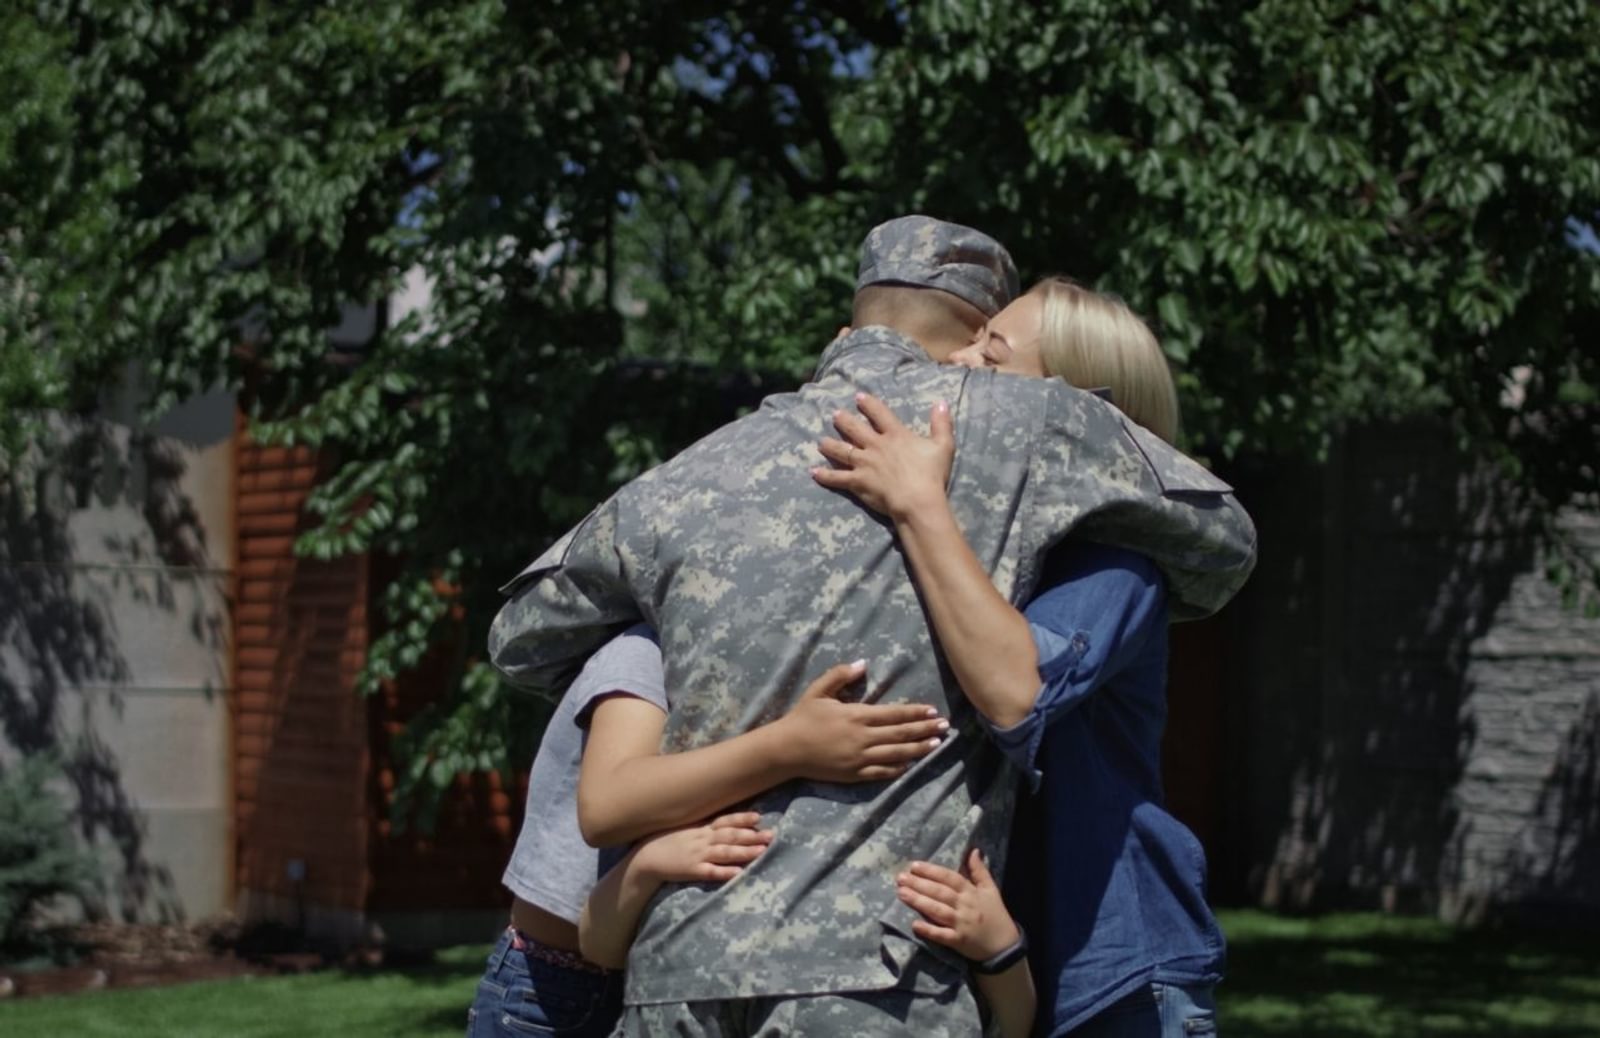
874	339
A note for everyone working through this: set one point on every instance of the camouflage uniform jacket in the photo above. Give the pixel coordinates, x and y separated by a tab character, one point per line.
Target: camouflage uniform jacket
757	580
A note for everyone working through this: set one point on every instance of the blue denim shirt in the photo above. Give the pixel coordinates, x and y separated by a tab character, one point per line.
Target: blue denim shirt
1110	887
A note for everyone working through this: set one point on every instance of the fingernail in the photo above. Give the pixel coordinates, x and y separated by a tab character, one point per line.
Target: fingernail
934	743
943	405
858	665
860	397
933	711
943	726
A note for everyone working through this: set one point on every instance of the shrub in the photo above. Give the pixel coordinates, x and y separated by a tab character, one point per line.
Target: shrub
39	858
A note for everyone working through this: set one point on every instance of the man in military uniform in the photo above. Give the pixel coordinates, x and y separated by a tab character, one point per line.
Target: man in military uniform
757	579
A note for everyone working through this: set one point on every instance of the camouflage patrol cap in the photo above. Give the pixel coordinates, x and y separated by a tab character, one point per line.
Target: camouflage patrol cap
929	253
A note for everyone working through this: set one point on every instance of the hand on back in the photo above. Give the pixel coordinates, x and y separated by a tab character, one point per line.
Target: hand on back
891	468
831	741
706	852
961	910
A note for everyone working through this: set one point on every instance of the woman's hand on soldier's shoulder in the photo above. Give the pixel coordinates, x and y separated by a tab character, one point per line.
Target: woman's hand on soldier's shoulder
824	739
893	469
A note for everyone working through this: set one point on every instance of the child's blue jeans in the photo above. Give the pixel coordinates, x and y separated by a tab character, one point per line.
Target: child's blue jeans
524	993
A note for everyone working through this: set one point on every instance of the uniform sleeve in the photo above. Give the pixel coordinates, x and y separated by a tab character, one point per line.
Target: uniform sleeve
1088	626
589	585
1145	496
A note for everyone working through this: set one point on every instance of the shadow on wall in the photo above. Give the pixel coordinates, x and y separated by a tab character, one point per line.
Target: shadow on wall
63	665
1372	731
1570	800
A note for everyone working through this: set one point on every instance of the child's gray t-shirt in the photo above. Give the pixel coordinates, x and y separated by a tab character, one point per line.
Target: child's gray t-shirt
551	866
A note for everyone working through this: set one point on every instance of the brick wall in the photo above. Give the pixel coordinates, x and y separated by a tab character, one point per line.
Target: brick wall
454	868
314	770
301	753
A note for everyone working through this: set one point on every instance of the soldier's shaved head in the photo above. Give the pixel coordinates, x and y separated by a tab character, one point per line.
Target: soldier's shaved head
937	321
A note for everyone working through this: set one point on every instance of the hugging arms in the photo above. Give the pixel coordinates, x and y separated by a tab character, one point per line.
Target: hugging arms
757	579
628	790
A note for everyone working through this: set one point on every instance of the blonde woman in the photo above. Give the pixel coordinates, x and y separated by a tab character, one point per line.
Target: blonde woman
1074	691
1089	339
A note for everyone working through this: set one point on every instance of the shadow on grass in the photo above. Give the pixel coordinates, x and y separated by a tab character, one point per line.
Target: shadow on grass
448	968
439	990
1371	976
423	999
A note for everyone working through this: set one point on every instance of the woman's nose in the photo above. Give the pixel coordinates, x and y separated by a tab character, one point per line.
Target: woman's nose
968	356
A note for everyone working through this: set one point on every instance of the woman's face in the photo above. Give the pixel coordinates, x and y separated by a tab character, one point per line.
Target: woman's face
1010	341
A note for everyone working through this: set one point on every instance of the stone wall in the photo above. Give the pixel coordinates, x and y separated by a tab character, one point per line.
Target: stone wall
1528	802
116	555
1415	713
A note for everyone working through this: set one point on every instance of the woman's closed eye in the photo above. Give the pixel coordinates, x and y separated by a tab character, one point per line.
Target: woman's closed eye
996	349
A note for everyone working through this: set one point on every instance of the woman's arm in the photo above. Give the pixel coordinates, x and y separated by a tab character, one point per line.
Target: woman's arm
966	913
628	788
713	852
901	474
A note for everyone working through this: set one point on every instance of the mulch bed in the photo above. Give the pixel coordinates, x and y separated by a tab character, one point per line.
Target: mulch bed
126	955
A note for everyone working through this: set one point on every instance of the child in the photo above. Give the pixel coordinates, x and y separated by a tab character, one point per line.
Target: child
537	976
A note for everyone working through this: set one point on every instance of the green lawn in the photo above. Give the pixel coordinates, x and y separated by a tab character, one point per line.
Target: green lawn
1358	975
430	1000
1386	977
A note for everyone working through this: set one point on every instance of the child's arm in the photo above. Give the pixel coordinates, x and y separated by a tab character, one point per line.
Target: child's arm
967	914
628	788
713	852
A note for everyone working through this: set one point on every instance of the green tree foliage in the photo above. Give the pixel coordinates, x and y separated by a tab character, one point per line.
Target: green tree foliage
1337	211
39	858
1334	211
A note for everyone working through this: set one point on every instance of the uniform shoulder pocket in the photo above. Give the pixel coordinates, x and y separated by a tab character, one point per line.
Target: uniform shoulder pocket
1178	474
553	558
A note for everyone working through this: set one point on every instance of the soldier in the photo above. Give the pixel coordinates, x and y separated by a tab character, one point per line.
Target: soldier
757	578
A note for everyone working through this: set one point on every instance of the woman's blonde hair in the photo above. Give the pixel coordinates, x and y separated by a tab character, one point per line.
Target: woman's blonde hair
1094	341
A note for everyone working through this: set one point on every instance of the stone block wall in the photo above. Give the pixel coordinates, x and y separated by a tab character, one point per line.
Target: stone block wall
1413	722
116	570
1528	803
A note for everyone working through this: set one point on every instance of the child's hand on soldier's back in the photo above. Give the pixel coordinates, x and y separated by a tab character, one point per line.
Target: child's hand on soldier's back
962	912
711	851
707	852
828	740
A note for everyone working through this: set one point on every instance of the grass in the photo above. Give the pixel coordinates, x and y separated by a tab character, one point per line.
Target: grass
1377	976
1364	976
420	1001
